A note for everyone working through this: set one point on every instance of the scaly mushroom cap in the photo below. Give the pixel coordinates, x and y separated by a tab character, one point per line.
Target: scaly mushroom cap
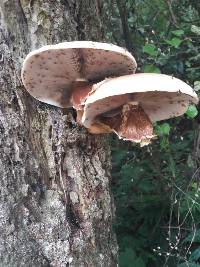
50	73
160	96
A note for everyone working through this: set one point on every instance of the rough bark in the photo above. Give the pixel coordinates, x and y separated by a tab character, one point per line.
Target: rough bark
55	203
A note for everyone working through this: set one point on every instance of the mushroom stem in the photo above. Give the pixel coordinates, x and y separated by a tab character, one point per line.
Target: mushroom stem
132	123
129	122
79	93
97	126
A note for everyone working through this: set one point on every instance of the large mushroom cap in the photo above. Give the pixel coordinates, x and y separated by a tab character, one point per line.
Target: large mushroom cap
50	72
160	96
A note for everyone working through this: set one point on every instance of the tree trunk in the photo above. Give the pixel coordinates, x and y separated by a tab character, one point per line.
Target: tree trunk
55	203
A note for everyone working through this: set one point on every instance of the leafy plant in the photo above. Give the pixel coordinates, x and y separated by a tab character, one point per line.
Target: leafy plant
156	188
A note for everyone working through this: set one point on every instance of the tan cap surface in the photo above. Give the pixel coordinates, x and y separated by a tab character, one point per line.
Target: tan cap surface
161	96
49	72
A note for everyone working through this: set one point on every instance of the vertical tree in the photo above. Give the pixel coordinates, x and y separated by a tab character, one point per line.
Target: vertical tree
55	202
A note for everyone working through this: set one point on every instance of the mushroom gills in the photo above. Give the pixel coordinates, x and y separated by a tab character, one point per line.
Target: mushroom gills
129	122
113	112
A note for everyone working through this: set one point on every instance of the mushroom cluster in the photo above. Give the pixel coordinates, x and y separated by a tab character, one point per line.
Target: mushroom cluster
99	81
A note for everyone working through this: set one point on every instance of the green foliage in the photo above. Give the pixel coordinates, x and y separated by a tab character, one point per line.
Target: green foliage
195	255
189	264
192	111
162	129
129	259
175	42
193	237
150	49
148	185
151	68
197	85
178	33
156	188
195	29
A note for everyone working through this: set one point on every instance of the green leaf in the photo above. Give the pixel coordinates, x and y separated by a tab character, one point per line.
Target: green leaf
191	237
194	186
192	112
175	42
190	162
195	29
197	85
151	69
178	33
163	129
195	255
141	29
131	20
150	49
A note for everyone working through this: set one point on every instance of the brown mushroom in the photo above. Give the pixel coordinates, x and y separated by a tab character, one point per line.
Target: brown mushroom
137	100
53	72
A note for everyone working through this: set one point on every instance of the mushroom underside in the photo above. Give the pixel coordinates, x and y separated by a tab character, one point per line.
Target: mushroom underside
129	122
131	116
47	78
157	105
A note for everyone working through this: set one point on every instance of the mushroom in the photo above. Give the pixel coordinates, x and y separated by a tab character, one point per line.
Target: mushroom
85	75
59	74
128	105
